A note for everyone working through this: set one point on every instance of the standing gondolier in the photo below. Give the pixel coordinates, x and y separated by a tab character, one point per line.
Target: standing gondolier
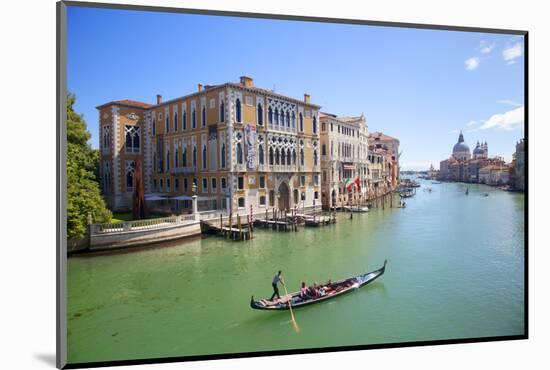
276	279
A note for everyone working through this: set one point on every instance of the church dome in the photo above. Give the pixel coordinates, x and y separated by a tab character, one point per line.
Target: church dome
461	150
478	150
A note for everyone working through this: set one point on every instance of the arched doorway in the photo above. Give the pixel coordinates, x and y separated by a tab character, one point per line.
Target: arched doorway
284	202
333	203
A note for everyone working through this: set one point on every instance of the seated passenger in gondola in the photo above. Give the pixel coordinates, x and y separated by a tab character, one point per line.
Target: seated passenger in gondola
304	292
314	290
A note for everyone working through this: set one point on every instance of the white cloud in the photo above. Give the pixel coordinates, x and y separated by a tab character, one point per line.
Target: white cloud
485	47
511	53
471	123
510	120
509	102
472	63
454	131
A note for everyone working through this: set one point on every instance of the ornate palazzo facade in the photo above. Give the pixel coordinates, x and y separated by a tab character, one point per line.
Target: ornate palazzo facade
234	145
344	158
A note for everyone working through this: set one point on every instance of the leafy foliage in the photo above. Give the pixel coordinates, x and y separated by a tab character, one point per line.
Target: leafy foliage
84	201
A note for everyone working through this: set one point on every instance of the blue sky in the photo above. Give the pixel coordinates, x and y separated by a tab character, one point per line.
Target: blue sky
421	86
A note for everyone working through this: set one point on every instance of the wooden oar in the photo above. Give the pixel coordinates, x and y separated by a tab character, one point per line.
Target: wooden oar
294	323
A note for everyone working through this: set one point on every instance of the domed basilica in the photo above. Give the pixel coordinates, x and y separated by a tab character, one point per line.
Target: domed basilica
461	151
463	165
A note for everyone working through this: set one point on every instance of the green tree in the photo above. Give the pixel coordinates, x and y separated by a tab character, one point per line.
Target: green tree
83	194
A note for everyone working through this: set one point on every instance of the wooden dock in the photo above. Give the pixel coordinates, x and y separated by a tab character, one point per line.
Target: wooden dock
229	229
279	225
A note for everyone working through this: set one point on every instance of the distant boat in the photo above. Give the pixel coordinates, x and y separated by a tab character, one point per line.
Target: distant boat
467	191
485	195
436	182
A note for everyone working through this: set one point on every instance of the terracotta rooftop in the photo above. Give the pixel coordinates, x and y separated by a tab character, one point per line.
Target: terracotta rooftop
127	102
381	136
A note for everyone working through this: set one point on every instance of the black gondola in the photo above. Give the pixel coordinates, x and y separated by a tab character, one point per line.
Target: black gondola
338	288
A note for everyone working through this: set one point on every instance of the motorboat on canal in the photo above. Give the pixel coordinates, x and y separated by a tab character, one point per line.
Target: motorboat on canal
356	209
334	289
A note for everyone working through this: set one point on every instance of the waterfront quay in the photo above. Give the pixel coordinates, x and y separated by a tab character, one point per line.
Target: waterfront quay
455	270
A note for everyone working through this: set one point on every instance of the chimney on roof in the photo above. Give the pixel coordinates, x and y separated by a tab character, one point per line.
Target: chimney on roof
199	87
247	81
159	98
306	98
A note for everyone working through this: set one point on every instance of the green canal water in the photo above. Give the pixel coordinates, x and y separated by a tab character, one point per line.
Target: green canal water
455	270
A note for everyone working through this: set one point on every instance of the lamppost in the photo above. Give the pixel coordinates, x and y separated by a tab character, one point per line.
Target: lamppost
194	197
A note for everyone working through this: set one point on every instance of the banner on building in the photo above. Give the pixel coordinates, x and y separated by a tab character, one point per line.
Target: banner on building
250	145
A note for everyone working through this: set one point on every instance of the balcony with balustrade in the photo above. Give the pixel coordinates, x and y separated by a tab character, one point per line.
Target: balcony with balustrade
187	170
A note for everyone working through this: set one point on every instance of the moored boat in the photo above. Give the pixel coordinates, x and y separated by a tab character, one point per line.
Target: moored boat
334	289
356	209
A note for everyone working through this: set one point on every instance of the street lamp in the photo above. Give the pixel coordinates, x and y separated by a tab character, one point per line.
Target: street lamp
194	197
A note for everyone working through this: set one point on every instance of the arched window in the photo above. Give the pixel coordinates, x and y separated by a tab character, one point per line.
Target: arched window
223	155
203	117
128	141
283	157
282	118
184	157
270	115
239	153
260	115
271	156
277	156
288	157
176	159
130	177
222	111
106	177
167	160
167	125
131	138
315	157
301	157
194	156
301	122
293	120
238	110
105	138
261	154
184	120
314	124
175	121
324	149
287	119
204	157
193	118
276	116
294	157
